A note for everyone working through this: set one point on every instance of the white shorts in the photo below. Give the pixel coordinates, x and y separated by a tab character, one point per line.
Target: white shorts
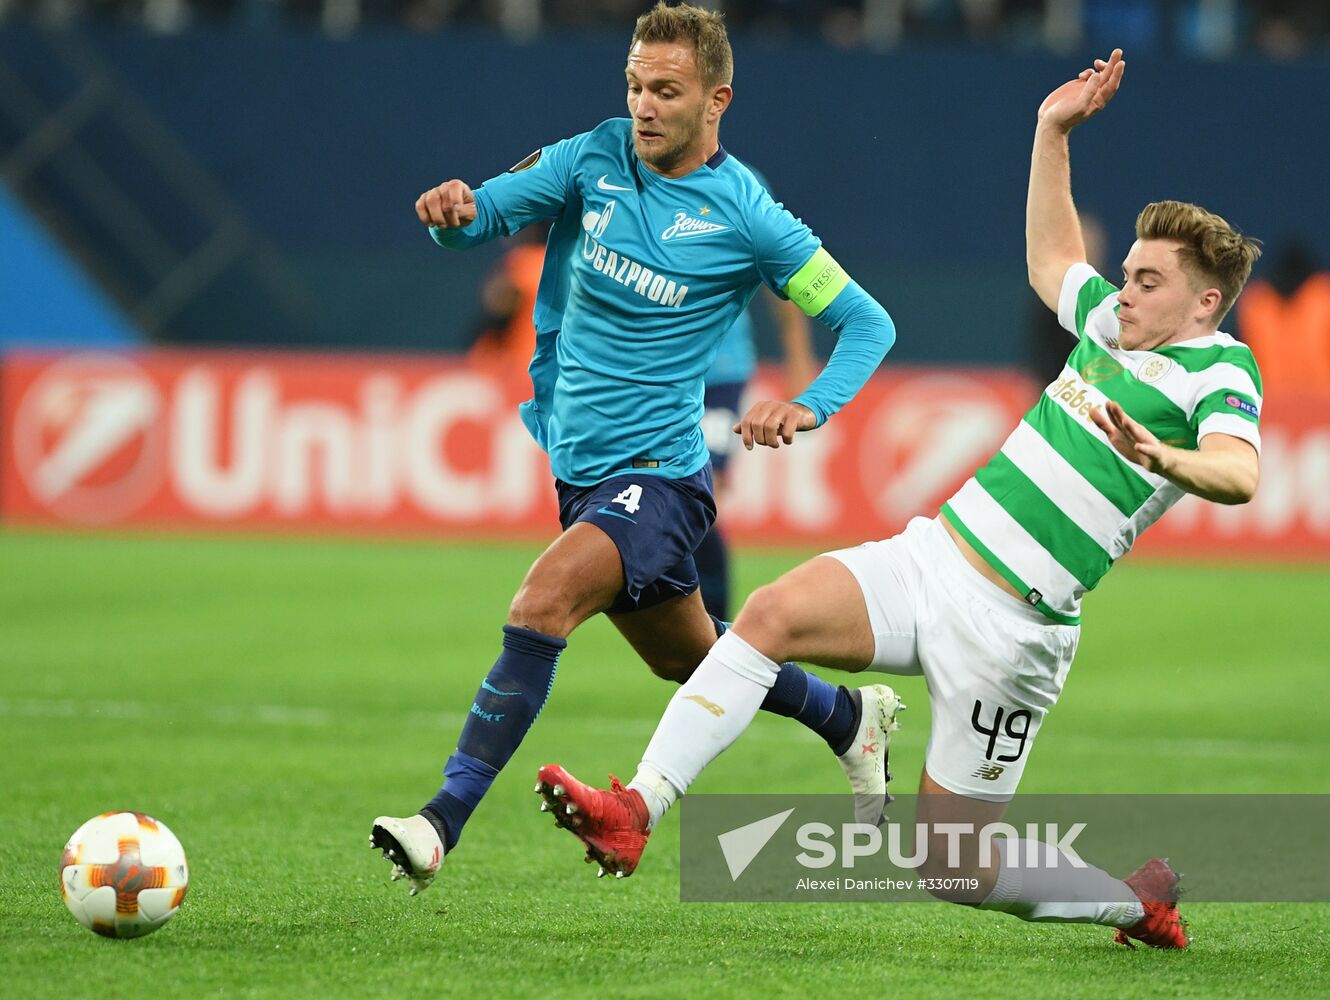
994	665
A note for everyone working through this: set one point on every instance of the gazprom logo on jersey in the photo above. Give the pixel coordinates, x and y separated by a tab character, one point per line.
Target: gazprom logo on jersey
595	223
624	270
687	226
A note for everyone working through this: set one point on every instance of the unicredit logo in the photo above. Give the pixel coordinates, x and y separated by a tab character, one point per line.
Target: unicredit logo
103	439
924	440
88	438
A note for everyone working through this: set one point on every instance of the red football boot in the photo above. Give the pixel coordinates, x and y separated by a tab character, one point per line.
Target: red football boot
612	824
1156	885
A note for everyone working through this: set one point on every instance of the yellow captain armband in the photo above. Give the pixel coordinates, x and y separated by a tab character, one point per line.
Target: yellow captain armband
817	283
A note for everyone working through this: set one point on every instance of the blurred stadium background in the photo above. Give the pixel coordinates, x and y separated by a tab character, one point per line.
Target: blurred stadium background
186	177
220	316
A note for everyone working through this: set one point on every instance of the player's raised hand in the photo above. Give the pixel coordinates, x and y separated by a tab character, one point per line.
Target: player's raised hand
1077	100
772	421
1133	440
451	205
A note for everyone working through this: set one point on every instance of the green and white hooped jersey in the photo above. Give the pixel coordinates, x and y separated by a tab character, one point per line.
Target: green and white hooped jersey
1058	504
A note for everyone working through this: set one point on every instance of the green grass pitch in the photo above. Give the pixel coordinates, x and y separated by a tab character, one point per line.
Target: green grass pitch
267	698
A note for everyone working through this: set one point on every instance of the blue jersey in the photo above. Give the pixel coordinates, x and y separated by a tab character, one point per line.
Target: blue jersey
643	276
736	358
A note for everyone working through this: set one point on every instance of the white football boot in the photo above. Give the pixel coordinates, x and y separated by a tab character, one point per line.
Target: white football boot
412	845
865	763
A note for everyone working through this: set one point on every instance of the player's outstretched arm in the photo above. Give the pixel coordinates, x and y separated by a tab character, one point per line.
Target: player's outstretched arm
796	338
1053	240
1224	469
864	333
773	422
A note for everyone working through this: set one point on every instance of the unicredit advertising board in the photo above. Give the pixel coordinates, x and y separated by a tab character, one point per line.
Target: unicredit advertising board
428	445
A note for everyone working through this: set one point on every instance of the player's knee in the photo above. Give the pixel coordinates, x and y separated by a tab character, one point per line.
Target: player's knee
542	609
677	660
672	667
770	619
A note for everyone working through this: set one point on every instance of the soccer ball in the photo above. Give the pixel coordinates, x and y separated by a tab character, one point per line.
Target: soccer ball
123	874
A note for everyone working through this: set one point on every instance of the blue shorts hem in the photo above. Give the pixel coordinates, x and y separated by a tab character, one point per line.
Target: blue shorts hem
655	526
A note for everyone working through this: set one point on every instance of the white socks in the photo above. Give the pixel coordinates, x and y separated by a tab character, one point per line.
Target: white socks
703	718
719	701
1084	895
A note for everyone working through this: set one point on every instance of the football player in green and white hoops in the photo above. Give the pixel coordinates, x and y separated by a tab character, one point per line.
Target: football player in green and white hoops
984	600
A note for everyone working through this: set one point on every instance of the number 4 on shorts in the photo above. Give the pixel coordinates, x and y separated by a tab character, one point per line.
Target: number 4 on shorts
631	499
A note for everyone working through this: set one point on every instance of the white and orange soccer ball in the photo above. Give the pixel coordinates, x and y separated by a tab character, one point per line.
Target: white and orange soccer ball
123	874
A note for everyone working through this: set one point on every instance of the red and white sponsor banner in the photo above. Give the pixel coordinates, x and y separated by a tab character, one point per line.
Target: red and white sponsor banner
427	445
268	441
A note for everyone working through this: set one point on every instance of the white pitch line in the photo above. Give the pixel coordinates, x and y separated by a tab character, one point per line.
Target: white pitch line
316	718
312	717
68	708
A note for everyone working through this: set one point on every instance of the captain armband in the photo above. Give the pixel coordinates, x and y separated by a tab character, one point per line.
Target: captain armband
817	283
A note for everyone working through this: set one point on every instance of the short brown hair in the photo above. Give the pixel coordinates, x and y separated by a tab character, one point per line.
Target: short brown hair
705	29
1212	250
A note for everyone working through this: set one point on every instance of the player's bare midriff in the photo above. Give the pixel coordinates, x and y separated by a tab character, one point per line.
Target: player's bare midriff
978	562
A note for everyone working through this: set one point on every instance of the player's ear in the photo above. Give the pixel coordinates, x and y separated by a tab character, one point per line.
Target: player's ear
1209	303
720	100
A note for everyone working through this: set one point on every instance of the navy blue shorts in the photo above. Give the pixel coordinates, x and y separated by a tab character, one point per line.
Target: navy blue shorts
718	420
655	523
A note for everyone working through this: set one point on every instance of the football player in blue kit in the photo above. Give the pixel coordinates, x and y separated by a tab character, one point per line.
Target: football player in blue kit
659	240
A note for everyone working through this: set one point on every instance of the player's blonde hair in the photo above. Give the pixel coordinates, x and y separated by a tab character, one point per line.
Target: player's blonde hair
1213	252
704	29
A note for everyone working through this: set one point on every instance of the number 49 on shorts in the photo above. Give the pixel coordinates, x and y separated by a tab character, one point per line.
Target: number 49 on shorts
1022	716
631	498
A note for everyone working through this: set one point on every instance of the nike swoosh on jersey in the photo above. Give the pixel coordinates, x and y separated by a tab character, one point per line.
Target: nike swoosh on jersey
605	185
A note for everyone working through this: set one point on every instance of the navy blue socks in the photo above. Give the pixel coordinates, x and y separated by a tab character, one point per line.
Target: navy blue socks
830	711
712	558
509	699
515	690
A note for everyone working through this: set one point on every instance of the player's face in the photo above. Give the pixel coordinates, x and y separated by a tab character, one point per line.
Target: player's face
1160	303
668	104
